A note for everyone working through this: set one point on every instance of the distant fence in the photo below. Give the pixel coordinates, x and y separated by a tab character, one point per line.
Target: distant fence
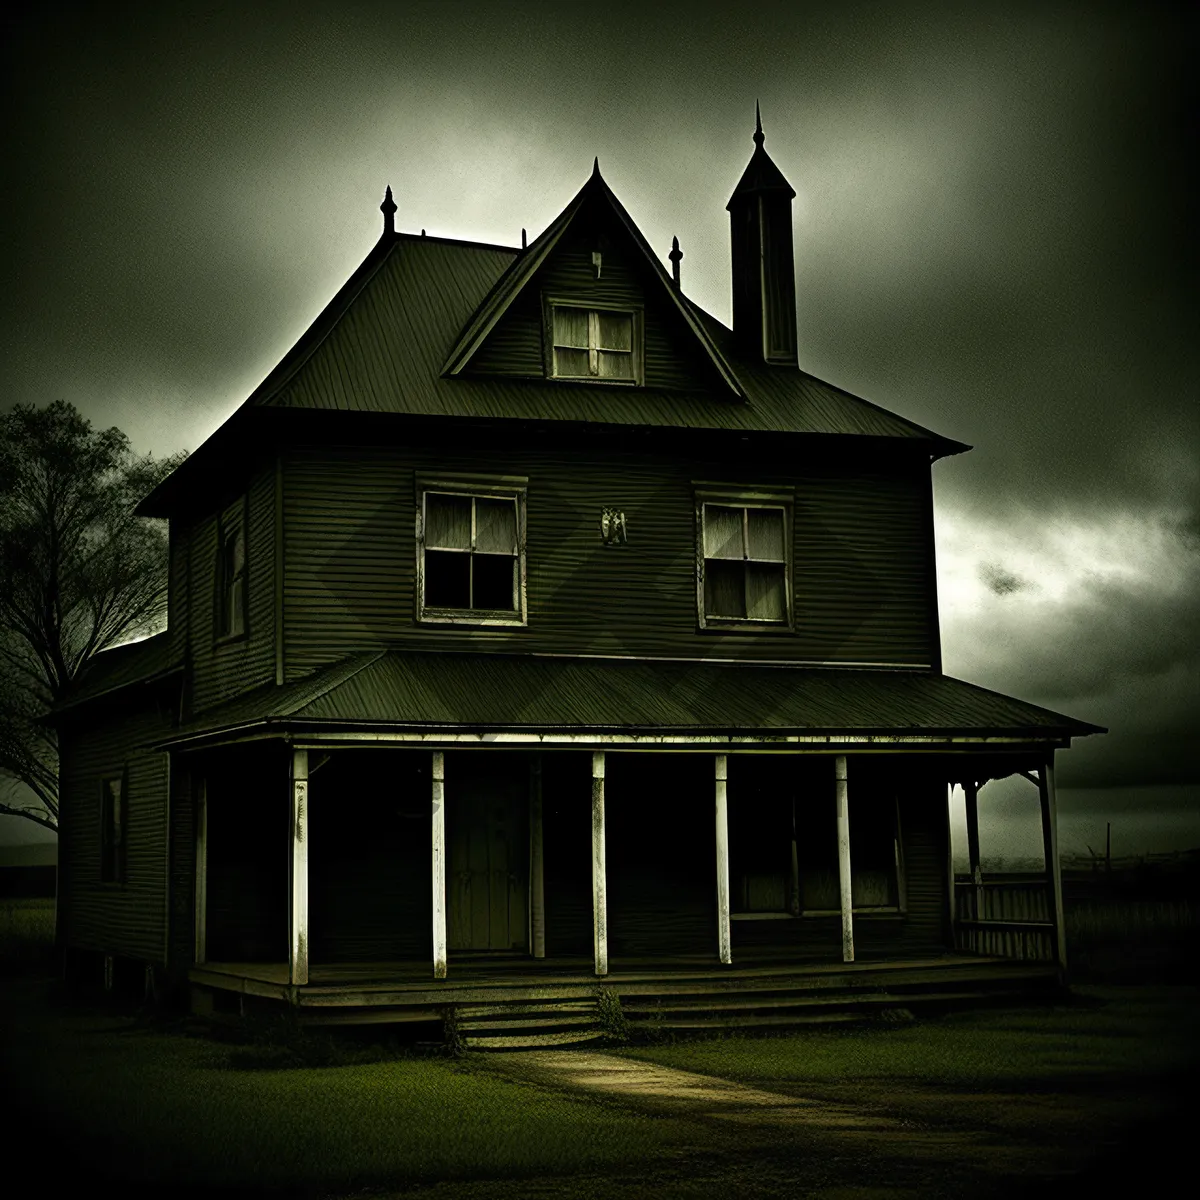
1009	917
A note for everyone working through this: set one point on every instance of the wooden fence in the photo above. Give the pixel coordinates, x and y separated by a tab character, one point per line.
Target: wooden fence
1009	916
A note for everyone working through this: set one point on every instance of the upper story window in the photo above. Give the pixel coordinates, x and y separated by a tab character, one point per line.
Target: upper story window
112	830
231	572
594	343
744	562
471	550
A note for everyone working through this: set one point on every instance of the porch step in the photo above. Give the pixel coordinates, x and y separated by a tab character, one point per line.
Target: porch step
525	1025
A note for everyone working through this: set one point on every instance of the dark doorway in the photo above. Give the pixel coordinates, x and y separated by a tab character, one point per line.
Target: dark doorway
487	851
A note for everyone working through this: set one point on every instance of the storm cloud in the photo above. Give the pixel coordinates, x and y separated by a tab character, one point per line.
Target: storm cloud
991	239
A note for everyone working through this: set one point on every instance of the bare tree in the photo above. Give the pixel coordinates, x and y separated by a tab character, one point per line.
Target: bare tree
78	574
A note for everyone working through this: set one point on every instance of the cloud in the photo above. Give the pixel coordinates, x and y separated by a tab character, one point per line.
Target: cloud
1002	581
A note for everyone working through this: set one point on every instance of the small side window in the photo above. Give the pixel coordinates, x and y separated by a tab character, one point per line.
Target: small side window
231	573
112	830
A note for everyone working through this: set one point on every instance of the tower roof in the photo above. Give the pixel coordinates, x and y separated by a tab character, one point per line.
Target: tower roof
761	173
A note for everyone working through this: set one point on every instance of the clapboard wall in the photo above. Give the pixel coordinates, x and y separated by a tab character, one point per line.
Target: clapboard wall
862	553
127	917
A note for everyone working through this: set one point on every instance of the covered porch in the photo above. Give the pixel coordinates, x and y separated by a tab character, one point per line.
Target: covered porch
375	870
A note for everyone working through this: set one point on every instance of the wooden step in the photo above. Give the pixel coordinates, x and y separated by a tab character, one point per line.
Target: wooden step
525	1021
519	1007
532	1041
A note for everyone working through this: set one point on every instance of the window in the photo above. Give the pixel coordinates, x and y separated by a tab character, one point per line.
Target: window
472	561
744	562
112	830
231	573
588	343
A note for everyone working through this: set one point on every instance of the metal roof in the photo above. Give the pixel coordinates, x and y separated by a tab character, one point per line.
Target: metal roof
122	666
501	692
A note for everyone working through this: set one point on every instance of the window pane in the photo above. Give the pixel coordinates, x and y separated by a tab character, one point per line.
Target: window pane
447	521
235	608
496	526
724	589
722	532
765	534
235	551
571	363
495	575
615	365
447	579
616	331
765	600
571	327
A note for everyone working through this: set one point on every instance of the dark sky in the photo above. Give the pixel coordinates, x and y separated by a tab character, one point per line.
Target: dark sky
992	238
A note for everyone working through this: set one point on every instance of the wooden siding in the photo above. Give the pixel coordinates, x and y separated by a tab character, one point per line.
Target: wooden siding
221	669
671	355
860	557
126	918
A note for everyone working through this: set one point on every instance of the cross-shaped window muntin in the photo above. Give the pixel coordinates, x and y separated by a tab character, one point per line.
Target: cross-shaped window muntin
745	558
593	343
471	556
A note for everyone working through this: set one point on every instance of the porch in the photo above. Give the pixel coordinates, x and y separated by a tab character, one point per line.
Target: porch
500	1001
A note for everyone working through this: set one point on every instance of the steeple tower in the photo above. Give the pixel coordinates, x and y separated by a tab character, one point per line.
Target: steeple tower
764	271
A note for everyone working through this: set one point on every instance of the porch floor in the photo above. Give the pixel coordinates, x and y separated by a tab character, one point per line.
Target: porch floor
398	991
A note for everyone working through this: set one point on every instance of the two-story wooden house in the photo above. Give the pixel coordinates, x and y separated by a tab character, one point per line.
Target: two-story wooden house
532	632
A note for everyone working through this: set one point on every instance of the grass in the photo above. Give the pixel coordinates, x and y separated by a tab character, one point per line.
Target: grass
26	934
158	1107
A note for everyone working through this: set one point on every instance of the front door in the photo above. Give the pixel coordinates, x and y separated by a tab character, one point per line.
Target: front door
487	880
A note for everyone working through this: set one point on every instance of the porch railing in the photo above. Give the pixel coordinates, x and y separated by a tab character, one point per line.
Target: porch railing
1007	916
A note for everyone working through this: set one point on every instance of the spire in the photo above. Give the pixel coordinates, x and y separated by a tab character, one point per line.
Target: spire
596	165
388	208
759	136
675	256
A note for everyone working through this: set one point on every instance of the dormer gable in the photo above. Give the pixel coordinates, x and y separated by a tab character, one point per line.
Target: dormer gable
589	303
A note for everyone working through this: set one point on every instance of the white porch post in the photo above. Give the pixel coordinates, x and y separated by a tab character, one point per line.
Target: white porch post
722	814
537	885
1049	807
843	835
599	908
438	854
200	892
298	872
971	791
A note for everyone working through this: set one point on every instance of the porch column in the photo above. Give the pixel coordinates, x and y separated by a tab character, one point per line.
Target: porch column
843	832
971	790
298	873
437	786
722	806
599	909
200	891
537	886
1053	866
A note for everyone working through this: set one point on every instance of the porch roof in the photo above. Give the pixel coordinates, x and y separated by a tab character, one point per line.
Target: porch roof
422	695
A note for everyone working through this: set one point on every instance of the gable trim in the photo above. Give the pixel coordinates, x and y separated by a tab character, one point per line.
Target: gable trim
514	281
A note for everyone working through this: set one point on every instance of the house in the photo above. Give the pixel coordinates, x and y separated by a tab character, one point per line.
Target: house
530	632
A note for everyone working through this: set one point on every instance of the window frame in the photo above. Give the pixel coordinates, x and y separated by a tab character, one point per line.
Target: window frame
233	519
727	497
113	849
637	358
475	487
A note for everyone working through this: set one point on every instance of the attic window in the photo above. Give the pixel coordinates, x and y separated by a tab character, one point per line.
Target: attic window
590	343
471	557
744	557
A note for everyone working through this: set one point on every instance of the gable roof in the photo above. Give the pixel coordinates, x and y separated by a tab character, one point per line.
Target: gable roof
495	694
418	305
523	269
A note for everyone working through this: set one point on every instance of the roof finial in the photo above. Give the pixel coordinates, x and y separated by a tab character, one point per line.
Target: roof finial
675	255
759	137
522	237
388	208
596	165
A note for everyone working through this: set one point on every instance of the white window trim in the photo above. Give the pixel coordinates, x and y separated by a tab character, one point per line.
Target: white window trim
739	498
637	356
488	487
